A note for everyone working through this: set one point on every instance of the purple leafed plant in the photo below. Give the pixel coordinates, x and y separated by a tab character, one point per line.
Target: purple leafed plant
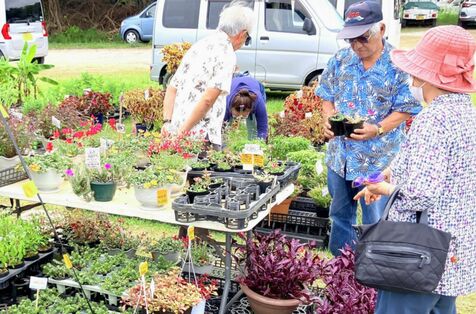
278	267
343	294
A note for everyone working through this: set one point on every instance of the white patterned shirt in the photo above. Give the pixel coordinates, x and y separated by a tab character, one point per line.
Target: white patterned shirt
436	170
209	63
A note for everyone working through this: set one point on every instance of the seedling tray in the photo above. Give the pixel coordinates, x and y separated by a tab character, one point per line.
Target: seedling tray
307	204
233	204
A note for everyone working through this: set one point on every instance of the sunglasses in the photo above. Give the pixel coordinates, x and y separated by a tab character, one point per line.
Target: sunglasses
361	39
248	39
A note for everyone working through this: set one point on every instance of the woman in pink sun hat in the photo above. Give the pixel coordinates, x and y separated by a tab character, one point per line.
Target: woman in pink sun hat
436	167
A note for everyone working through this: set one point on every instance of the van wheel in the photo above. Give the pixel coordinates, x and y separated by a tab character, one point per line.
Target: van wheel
404	23
131	37
433	23
39	60
314	78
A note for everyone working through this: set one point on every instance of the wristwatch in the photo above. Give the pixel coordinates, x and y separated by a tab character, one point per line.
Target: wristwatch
380	129
167	121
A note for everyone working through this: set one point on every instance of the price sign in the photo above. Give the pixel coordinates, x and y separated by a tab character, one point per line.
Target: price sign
247	159
93	157
38	283
162	197
67	261
56	122
143	268
259	160
191	233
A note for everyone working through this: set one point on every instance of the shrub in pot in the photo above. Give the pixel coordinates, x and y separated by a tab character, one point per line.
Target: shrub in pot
202	258
175	167
171	248
145	106
147	184
223	166
277	272
200	165
353	123
23	133
47	170
117	240
337	124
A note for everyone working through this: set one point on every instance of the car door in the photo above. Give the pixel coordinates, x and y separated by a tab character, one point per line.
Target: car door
147	22
285	52
209	22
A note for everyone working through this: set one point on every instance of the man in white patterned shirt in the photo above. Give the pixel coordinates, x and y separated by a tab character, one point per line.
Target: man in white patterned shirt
195	100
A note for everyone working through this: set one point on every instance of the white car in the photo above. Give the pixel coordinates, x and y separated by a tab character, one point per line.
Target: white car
467	13
421	12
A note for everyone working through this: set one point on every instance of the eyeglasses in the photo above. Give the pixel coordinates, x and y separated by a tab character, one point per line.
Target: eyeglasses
361	39
248	39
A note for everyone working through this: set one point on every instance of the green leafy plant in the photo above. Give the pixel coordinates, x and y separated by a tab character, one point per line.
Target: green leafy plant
274	167
22	131
56	270
281	146
201	253
320	195
166	245
223	165
200	165
45	162
308	176
24	74
80	183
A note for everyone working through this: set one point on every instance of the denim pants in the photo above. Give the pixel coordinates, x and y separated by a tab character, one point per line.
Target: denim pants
343	211
389	302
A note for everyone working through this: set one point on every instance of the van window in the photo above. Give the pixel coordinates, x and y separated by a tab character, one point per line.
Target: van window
214	9
150	12
24	11
181	13
280	17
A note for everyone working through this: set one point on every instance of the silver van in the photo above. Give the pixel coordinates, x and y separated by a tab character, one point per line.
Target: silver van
22	21
290	46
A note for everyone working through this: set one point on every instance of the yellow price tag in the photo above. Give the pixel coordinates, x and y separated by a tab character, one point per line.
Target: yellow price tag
259	160
143	268
67	261
162	197
3	112
191	233
247	159
30	188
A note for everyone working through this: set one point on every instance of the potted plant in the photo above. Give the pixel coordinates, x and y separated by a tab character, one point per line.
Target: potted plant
47	170
215	183
275	168
223	166
353	123
172	294
202	258
277	272
80	182
145	107
116	240
95	104
200	165
4	247
146	185
23	137
337	124
103	182
264	181
198	187
175	166
171	248
283	145
56	270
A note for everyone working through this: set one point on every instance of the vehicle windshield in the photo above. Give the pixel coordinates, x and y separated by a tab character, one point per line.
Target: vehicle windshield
329	16
23	11
420	5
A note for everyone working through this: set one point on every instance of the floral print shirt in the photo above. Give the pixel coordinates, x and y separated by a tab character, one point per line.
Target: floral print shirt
372	94
436	170
209	63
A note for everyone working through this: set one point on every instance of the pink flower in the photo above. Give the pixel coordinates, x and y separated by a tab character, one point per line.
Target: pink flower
69	172
351	105
107	166
371	112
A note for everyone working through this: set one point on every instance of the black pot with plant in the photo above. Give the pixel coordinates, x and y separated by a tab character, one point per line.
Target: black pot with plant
351	124
199	187
223	167
200	165
215	183
4	272
337	124
264	181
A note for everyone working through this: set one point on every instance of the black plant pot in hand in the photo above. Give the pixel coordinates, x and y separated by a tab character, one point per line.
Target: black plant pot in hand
351	127
337	127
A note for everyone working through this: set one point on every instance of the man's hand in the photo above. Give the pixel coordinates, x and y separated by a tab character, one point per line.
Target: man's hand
327	129
366	133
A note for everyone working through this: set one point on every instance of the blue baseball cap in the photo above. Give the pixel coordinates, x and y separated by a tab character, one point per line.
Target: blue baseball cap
359	17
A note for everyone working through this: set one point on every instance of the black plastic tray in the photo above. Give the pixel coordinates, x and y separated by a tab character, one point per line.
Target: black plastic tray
11	175
307	204
241	203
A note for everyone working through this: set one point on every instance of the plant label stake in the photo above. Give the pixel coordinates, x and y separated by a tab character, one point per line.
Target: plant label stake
38	284
188	255
56	122
143	269
93	157
152	289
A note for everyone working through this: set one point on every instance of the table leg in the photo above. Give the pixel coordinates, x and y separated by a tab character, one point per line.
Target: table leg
226	288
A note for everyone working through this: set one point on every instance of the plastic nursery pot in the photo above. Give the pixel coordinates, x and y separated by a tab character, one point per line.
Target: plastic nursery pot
103	192
223	170
215	185
337	125
33	257
17	266
44	250
264	305
263	186
350	127
4	272
191	194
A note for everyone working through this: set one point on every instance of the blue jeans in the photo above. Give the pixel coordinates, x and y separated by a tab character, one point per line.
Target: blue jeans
414	303
343	211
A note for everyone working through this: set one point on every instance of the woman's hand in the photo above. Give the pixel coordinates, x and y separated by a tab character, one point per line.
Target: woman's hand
374	191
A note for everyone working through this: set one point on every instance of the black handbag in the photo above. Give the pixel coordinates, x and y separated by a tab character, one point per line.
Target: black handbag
401	256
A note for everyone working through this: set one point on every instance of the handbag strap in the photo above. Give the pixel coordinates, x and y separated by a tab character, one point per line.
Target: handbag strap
422	217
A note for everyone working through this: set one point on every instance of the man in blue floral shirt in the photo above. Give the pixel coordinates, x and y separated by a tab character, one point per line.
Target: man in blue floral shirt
361	81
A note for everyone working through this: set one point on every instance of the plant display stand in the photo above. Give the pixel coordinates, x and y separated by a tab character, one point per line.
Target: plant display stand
125	204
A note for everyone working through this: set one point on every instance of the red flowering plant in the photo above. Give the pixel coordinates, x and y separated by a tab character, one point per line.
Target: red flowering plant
90	104
187	145
302	115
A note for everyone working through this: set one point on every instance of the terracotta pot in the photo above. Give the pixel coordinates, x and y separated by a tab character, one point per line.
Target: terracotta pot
282	208
264	305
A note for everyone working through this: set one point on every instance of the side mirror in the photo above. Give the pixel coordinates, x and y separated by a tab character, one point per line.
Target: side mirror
309	27
148	14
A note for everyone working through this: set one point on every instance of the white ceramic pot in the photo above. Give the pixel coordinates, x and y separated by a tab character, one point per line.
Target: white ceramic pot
6	163
148	197
47	181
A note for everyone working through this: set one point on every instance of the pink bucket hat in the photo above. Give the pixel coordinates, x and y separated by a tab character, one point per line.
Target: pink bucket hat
443	58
